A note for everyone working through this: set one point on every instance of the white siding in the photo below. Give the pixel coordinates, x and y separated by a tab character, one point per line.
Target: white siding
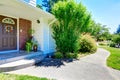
38	35
52	46
43	35
48	42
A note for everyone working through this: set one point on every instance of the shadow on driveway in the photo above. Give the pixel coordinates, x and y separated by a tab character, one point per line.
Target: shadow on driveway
49	62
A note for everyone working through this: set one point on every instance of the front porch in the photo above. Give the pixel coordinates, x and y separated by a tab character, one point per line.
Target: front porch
16	20
18	60
8	57
26	17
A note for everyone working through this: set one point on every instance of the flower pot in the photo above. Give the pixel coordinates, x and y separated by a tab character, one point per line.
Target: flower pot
35	48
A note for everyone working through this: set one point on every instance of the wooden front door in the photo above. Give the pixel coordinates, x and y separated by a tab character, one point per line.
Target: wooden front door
8	35
24	27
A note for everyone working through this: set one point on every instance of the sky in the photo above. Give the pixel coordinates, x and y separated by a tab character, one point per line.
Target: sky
106	12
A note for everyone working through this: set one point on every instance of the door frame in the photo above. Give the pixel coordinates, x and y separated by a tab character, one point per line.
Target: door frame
23	37
10	51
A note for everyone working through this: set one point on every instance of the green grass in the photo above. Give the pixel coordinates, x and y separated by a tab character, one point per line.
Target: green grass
19	77
114	58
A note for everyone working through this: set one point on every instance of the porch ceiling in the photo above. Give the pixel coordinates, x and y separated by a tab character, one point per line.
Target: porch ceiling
20	9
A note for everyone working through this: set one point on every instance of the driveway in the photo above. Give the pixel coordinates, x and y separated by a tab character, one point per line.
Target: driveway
91	67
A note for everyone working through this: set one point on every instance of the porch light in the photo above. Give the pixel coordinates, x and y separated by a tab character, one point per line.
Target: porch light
38	21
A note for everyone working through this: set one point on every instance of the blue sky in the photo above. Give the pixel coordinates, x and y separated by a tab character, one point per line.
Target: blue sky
106	12
39	1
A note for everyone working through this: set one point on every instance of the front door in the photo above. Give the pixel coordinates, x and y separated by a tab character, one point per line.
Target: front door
24	28
8	35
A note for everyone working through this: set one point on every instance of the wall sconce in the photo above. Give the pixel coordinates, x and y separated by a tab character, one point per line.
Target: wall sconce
38	21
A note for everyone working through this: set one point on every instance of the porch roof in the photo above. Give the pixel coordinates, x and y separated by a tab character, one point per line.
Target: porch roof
21	9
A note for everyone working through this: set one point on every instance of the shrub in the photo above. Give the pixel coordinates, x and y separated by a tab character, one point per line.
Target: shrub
28	47
66	29
71	55
112	44
87	43
103	43
75	55
116	39
58	55
68	55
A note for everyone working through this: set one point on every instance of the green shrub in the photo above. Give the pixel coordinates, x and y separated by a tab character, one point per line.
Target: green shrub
116	39
112	44
28	47
75	55
71	55
66	39
58	55
103	43
87	43
66	29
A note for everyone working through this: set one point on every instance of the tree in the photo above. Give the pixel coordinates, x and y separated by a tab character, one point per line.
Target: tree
106	34
103	34
118	30
99	31
48	4
116	39
39	6
73	19
94	28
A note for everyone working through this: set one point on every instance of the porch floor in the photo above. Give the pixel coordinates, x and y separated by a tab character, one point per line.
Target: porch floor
18	60
12	55
16	54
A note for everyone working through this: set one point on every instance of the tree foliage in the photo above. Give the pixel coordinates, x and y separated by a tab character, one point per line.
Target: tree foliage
118	30
39	6
48	4
101	32
116	38
73	19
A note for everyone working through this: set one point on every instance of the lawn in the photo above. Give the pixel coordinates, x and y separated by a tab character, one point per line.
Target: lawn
19	77
114	58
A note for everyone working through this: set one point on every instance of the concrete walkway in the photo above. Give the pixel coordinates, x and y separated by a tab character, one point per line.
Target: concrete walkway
91	67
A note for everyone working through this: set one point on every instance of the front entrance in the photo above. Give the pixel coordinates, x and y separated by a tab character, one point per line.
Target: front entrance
8	33
24	35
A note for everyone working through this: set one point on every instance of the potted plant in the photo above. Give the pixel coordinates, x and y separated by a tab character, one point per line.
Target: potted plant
35	46
32	40
28	47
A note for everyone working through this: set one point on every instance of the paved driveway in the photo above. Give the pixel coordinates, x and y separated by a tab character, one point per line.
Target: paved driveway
92	67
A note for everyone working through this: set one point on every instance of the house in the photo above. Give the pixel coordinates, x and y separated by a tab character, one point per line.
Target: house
17	17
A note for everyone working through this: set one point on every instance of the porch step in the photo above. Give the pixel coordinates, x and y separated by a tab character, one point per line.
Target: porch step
23	63
19	57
